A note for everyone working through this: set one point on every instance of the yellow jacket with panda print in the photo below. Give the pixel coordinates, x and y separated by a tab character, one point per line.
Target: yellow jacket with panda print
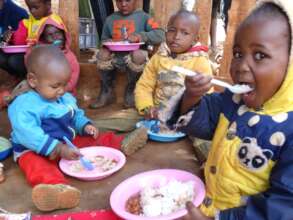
249	170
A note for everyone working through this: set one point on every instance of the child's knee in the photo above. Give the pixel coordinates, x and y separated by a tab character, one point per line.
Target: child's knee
104	59
104	54
139	57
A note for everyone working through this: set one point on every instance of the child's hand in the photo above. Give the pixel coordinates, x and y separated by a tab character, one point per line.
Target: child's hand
91	130
194	213
7	35
198	85
64	151
151	113
134	38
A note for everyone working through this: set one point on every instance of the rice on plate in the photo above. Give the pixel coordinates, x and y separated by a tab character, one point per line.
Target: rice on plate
164	200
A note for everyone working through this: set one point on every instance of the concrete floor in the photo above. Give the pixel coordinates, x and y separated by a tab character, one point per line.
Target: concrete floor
15	193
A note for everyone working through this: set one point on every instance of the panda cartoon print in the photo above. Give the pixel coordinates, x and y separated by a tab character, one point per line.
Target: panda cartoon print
252	156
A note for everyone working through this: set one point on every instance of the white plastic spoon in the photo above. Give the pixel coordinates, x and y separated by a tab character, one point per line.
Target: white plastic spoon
237	89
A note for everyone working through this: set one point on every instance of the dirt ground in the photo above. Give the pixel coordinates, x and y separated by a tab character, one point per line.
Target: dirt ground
15	193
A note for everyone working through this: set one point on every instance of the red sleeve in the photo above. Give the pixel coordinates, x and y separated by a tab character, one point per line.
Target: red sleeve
19	37
75	69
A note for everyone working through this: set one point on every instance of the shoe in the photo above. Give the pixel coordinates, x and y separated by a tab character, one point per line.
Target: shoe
104	99
134	141
49	197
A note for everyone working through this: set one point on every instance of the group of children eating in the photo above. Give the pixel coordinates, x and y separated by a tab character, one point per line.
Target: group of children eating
249	169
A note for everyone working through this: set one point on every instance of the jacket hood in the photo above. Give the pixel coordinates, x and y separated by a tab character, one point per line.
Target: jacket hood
56	21
282	101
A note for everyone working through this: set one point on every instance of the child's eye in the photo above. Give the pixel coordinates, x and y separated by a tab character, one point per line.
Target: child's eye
237	55
170	30
259	56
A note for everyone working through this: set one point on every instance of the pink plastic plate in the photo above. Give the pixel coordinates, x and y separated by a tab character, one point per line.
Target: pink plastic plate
15	49
156	178
122	46
97	173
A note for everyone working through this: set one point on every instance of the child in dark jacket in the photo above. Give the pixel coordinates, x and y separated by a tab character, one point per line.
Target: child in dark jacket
249	170
130	25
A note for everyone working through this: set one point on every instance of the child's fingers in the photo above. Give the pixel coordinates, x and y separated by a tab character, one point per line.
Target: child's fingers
195	213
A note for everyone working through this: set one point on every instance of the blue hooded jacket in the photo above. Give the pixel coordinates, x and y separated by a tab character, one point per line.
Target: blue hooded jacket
10	15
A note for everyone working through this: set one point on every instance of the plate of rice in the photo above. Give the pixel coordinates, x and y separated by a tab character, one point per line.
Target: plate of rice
105	160
164	135
157	195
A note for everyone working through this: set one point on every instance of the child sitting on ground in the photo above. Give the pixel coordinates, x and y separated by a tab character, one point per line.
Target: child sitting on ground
40	118
128	24
249	170
159	88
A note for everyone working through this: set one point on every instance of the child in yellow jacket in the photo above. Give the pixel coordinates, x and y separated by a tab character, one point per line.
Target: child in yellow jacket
158	85
249	170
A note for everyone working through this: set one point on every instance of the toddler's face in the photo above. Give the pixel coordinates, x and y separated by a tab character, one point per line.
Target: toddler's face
181	34
52	34
126	7
38	8
51	85
260	58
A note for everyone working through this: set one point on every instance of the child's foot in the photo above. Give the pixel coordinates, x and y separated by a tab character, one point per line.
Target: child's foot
48	197
2	177
134	141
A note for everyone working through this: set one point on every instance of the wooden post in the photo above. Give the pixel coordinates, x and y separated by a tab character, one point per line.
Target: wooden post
203	9
237	13
68	10
163	9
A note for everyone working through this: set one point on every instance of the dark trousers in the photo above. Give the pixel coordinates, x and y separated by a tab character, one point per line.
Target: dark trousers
13	64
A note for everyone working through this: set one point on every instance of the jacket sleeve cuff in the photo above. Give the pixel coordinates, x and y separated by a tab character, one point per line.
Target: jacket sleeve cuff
232	214
49	146
81	125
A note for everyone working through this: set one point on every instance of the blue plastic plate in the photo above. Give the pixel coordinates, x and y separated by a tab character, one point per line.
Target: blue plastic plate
5	153
159	136
5	148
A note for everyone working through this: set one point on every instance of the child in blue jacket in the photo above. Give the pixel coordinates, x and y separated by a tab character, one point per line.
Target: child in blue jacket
249	170
41	115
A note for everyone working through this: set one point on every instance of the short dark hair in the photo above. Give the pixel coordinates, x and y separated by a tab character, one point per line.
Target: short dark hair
185	14
43	56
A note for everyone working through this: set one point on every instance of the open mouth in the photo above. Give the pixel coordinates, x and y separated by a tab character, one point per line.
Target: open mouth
246	84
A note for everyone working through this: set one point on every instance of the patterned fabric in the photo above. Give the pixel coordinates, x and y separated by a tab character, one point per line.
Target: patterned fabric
249	168
137	22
